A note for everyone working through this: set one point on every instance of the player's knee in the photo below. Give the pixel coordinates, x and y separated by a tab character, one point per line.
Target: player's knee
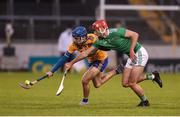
131	84
84	81
125	85
97	85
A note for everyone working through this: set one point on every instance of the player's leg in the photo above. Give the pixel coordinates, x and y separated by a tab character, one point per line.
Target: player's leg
97	79
125	77
119	69
94	69
101	78
142	58
137	75
106	77
87	77
134	75
147	76
100	66
133	71
154	76
129	80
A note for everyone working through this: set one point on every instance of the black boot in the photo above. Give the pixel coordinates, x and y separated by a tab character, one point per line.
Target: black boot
144	103
157	79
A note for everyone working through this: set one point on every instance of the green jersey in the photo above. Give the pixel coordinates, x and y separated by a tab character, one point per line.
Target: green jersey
116	41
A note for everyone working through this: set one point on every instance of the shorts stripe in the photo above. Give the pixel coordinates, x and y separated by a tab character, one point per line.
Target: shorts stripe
139	57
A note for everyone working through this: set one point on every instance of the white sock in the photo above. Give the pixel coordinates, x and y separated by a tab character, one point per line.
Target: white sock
153	76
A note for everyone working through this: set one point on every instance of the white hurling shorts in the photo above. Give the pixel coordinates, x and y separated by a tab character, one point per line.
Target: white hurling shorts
141	59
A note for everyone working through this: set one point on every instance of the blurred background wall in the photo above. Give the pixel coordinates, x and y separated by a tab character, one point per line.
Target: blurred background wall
37	24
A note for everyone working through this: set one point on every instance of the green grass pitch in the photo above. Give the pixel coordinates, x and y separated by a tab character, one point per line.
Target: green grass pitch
110	99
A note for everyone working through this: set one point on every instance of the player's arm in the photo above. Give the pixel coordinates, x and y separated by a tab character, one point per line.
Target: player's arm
59	63
134	37
81	56
66	57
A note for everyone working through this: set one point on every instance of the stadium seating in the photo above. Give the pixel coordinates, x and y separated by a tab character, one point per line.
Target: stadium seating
35	20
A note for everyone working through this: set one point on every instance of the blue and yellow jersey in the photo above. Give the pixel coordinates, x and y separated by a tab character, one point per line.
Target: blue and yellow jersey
91	38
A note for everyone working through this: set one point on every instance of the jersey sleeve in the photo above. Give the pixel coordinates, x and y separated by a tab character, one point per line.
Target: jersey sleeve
65	58
100	45
96	44
71	48
121	31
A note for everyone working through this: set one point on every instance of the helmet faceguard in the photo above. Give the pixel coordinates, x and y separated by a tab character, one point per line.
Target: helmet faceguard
100	27
79	35
79	40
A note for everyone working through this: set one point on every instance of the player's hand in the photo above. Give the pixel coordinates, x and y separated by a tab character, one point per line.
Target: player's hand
49	73
68	66
133	56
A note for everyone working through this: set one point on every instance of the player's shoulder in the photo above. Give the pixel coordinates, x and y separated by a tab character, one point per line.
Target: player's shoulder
72	46
91	37
117	31
111	30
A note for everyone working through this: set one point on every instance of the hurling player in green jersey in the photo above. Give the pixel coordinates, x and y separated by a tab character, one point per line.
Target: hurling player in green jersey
125	42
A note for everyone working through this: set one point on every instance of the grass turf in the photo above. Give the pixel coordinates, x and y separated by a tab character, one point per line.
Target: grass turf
110	99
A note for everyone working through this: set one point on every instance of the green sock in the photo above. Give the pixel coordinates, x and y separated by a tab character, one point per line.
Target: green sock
143	98
149	76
